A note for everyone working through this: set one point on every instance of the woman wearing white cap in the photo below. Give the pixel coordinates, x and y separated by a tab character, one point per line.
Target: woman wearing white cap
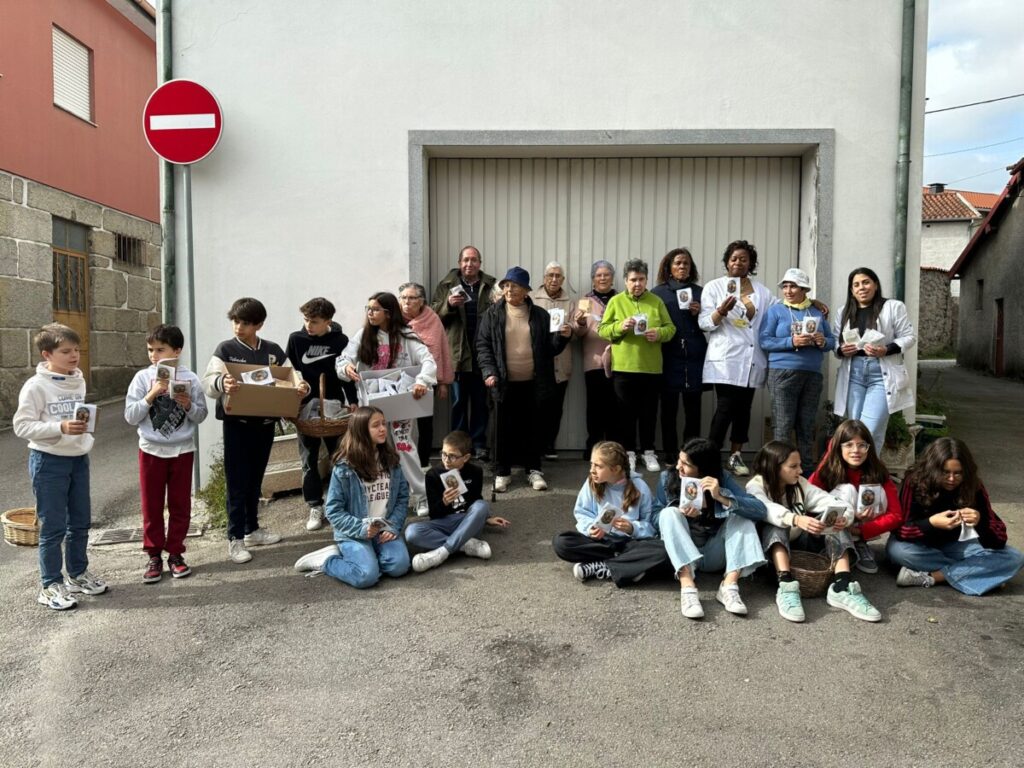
796	337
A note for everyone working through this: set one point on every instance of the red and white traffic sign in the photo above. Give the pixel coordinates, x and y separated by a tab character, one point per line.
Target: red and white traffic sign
182	121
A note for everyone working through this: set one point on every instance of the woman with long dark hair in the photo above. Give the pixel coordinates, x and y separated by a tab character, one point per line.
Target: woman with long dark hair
682	357
872	333
386	341
950	533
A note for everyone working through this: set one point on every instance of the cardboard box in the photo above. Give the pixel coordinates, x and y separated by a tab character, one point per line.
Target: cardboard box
401	406
279	401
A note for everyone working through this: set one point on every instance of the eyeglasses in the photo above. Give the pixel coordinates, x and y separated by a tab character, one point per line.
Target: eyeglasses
374	310
452	456
856	446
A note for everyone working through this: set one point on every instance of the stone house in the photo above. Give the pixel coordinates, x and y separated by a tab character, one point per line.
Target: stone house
79	187
991	334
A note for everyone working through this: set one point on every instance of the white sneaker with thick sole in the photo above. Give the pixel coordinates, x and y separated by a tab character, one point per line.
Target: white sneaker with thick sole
427	560
237	551
689	602
56	597
314	561
316	519
537	481
260	537
477	548
502	482
85	583
651	461
729	596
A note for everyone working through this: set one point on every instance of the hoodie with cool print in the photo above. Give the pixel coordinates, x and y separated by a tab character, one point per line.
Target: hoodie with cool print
45	401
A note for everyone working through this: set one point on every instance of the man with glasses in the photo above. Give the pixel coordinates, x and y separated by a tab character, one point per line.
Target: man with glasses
461	297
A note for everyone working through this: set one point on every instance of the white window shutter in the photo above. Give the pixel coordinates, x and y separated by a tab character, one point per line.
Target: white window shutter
71	81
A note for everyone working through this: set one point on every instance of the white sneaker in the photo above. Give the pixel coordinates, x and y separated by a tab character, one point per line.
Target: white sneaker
631	455
427	560
477	548
237	551
314	561
502	482
85	583
261	536
729	596
651	462
736	466
537	481
56	596
689	601
316	519
422	507
909	578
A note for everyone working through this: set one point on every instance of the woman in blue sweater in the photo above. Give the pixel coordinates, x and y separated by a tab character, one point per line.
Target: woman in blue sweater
796	338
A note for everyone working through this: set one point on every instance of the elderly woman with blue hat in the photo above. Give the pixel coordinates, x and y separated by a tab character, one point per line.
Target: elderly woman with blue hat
516	352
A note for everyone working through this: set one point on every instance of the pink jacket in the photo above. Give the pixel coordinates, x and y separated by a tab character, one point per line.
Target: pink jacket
427	325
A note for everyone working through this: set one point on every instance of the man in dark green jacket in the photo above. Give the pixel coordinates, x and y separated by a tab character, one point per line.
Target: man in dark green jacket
461	297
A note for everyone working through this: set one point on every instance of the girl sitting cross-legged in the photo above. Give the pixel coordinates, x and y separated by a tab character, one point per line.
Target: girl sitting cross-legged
714	534
615	536
797	513
366	505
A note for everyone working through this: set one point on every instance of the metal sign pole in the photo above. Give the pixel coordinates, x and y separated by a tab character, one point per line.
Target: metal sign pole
186	171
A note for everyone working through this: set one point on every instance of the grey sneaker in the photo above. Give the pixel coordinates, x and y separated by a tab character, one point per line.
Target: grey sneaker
259	537
787	598
729	596
477	548
316	518
737	467
56	597
909	578
852	601
865	557
314	561
689	603
237	551
85	583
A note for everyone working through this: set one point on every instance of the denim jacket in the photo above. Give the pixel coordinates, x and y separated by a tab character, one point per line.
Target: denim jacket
743	503
346	506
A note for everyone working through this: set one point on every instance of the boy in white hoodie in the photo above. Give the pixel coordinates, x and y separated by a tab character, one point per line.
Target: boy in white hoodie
58	464
166	413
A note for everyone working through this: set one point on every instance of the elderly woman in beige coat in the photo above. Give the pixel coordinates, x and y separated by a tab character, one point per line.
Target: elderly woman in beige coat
556	298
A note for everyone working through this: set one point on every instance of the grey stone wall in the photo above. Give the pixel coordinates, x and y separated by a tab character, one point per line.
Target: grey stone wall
124	300
937	314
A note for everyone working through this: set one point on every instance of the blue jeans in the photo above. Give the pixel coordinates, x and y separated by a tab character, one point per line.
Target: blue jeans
450	532
967	565
61	488
865	399
735	546
362	562
795	395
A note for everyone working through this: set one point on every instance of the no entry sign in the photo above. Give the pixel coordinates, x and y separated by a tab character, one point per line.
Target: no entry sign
182	121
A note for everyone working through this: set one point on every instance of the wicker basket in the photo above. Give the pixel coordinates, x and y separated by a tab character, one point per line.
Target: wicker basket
812	571
322	427
21	527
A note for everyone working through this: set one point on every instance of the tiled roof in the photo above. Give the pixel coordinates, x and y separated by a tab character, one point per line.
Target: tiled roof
946	206
999	209
983	201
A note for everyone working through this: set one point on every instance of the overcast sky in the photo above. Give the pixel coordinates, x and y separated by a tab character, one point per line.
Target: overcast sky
975	52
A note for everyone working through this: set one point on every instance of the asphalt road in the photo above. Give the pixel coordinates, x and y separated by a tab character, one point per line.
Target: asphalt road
508	662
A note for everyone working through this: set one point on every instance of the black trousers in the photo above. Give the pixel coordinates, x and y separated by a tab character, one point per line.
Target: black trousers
425	428
636	397
627	559
309	453
732	407
669	413
517	428
551	416
600	407
247	445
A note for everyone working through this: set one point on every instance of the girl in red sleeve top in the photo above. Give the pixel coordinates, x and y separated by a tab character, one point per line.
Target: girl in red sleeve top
949	531
852	471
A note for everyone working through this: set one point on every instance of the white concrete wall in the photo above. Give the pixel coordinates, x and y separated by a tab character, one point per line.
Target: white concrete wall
308	192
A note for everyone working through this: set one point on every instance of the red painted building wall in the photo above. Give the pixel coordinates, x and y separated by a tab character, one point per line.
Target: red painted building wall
107	161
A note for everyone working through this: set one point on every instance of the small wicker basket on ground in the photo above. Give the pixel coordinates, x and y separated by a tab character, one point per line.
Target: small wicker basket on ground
322	427
812	571
21	527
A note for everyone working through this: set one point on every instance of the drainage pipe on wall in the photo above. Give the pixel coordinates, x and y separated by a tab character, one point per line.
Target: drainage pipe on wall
903	151
167	256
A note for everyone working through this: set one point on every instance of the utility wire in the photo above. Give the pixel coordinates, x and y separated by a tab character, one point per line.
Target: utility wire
972	104
985	173
971	149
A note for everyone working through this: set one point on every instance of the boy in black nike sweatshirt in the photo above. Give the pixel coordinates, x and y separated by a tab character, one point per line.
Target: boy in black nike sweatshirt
312	350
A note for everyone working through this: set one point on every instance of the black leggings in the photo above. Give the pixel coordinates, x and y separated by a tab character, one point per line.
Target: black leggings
637	396
733	407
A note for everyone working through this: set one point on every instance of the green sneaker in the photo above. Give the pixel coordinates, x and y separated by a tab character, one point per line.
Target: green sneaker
852	601
788	600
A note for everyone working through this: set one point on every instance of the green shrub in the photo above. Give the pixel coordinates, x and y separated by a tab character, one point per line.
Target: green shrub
897	432
214	495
